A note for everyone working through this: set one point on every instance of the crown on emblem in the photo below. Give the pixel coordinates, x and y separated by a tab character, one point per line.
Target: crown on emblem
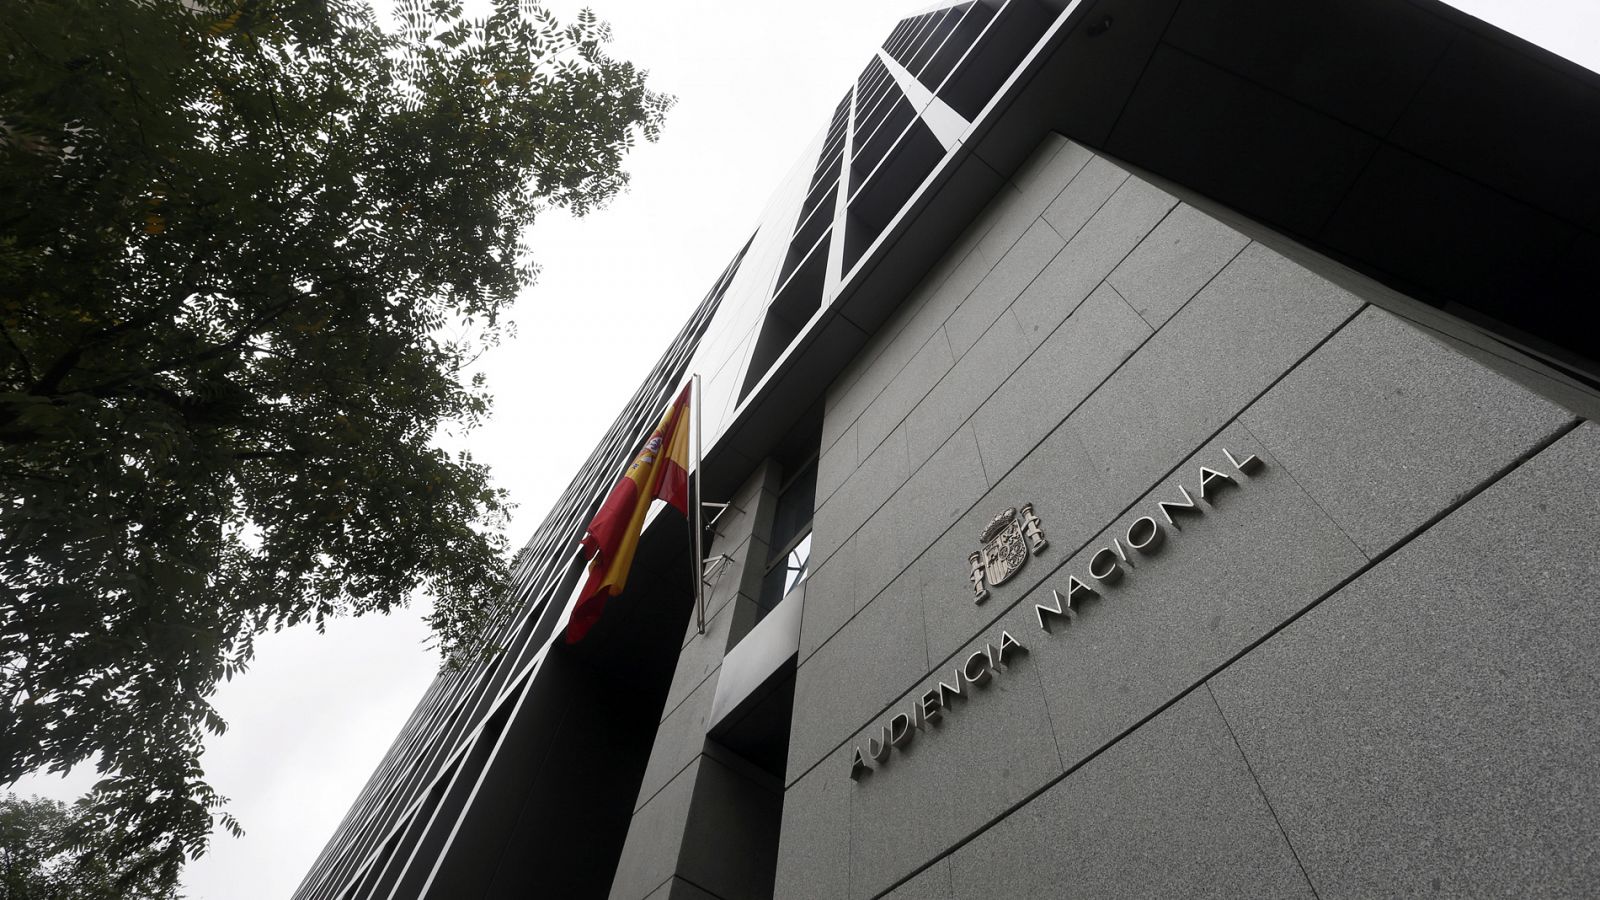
997	525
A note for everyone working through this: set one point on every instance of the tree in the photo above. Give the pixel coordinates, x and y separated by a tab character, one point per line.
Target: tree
248	249
42	857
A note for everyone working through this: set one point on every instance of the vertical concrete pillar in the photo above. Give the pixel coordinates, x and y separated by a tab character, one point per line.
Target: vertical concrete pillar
706	821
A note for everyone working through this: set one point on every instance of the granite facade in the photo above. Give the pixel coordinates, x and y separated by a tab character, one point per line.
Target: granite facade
1354	659
1213	723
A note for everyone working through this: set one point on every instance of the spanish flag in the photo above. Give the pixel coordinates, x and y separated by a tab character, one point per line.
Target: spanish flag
660	470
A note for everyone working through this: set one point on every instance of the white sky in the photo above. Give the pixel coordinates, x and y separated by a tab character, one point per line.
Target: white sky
755	81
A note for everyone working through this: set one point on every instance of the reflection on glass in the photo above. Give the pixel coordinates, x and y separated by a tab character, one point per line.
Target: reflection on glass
795	564
784	575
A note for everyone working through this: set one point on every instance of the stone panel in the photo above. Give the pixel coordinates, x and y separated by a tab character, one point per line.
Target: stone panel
1058	478
733	834
929	503
932	883
1066	368
814	848
1170	266
830	598
959	394
702	655
1260	552
851	505
679	739
1433	727
678	889
1031	191
1047	177
984	754
904	334
836	465
650	853
907	389
852	676
1010	276
1092	254
1253	322
1169	811
1385	427
1089	190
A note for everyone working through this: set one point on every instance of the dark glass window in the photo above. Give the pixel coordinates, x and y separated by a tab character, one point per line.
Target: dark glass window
791	537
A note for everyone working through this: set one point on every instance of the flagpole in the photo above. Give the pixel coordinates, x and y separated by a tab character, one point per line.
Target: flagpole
696	531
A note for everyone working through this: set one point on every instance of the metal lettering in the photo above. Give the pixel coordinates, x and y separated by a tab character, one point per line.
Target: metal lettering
1100	573
858	766
946	691
1075	588
1063	609
932	701
1243	465
1188	505
878	747
1209	477
1008	646
981	659
1149	544
900	730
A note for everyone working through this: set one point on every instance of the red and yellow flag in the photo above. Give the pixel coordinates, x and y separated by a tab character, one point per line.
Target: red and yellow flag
660	470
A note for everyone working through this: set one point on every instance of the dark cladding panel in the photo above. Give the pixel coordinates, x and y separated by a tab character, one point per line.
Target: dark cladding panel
1358	61
1494	115
1239	143
1455	239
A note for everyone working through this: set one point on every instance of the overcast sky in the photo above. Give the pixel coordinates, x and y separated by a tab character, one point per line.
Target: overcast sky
755	81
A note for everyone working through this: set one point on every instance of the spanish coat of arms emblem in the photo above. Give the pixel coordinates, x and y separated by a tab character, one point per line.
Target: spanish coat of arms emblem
1006	541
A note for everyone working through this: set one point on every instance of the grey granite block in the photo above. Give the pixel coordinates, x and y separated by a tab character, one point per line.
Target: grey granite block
1433	727
830	598
1103	242
984	754
814	846
940	493
1055	378
1385	427
1185	251
1009	277
851	505
932	883
677	889
1254	321
904	392
701	655
852	676
902	336
655	836
1169	811
680	738
836	465
1259	553
1053	165
1058	479
1083	196
1048	173
733	829
882	547
964	388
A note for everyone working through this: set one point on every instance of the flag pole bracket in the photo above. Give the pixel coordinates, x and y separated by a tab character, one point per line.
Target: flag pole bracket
712	569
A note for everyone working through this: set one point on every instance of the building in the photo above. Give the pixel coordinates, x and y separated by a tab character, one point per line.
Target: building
1159	453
